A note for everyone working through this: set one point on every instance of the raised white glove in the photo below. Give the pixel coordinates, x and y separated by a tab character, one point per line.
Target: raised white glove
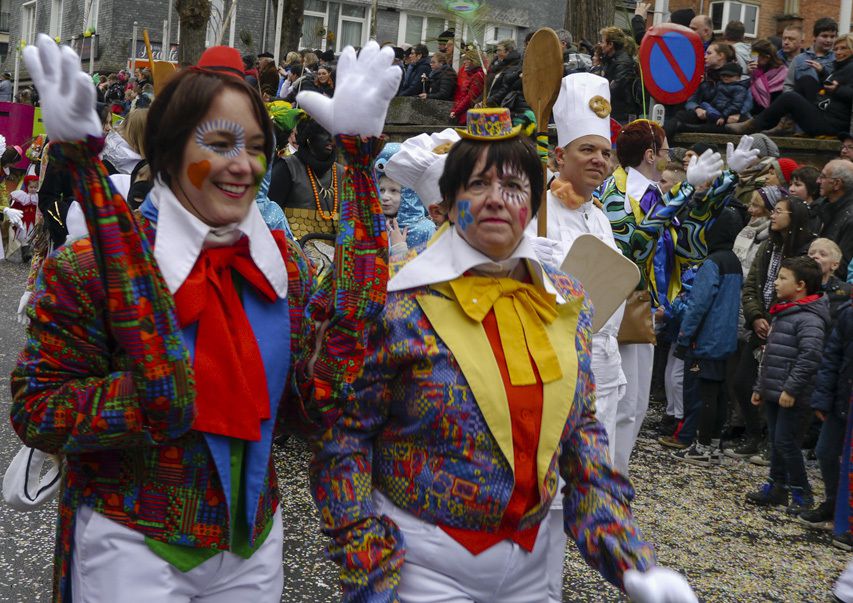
743	157
67	94
704	168
546	250
22	308
658	585
75	222
364	87
15	216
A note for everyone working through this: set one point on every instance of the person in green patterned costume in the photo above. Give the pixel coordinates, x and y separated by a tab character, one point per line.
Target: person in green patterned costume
662	232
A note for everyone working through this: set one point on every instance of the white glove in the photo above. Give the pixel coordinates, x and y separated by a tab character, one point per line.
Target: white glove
364	88
743	157
546	250
22	307
23	487
67	94
704	168
15	216
658	585
75	223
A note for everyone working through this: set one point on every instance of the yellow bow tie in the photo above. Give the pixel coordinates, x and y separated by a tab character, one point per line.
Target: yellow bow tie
521	311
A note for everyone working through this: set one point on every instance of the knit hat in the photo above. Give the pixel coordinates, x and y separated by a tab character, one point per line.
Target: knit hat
784	168
731	68
765	146
771	195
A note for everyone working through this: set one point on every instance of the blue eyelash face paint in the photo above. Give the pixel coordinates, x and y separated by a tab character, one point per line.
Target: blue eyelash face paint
229	139
465	217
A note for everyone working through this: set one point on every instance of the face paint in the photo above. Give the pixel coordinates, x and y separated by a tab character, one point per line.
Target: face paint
220	136
660	164
197	172
465	217
515	187
260	177
522	216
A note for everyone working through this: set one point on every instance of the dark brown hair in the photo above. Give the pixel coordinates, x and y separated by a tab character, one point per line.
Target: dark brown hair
516	152
808	174
798	235
805	269
766	48
727	50
635	139
178	109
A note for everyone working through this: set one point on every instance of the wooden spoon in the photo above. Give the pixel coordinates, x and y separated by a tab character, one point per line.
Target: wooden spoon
542	73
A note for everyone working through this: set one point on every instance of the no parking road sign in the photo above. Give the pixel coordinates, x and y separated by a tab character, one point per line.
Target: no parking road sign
673	62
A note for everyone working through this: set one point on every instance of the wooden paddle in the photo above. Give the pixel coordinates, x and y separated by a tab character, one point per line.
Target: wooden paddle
161	71
542	73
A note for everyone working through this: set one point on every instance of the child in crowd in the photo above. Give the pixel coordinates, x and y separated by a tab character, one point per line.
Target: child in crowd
804	184
831	397
730	97
707	337
673	175
785	379
27	202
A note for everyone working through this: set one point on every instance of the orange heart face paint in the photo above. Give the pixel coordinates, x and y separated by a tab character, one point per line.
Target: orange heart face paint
198	172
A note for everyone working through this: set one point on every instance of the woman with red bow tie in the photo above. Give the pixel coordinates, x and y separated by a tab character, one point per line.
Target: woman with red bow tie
165	350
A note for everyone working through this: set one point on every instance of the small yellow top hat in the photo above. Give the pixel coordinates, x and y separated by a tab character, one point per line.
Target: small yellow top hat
494	123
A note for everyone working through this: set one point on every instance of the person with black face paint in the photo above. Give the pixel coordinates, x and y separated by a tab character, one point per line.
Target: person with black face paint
307	184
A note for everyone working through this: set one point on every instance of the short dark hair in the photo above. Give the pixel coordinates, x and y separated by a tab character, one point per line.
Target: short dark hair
178	109
421	49
808	176
517	152
734	31
805	269
824	24
635	139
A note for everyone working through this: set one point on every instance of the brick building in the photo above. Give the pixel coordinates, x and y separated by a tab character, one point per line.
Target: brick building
328	24
765	17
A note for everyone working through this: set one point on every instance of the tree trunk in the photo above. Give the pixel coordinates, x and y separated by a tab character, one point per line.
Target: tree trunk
195	15
291	27
585	18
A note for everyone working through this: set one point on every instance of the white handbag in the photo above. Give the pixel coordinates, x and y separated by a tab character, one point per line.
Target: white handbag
24	488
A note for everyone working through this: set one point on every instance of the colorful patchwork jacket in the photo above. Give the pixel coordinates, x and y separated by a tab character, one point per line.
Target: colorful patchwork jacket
74	394
637	234
430	429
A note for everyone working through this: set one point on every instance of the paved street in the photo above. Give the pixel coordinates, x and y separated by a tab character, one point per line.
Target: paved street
696	518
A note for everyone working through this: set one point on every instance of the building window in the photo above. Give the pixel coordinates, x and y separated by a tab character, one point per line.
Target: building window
55	18
28	22
351	26
418	29
724	12
496	33
314	24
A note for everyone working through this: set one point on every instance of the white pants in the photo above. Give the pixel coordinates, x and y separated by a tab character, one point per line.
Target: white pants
557	540
439	569
112	563
844	585
610	384
637	360
674	385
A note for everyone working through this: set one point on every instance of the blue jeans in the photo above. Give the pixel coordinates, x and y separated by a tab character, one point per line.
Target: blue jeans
828	451
786	427
703	399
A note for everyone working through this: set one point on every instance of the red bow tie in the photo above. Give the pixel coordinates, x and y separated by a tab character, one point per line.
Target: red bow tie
231	385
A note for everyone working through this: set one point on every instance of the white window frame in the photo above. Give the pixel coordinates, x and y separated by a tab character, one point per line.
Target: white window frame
28	26
56	9
490	36
727	6
325	17
364	21
404	23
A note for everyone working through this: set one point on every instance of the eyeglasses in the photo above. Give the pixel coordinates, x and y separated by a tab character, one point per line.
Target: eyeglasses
825	177
778	212
847	147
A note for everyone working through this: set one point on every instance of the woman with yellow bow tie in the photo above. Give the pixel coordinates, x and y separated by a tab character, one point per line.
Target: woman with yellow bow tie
476	393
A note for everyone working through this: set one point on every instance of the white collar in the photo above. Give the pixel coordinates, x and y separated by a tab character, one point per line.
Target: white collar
450	256
636	186
181	237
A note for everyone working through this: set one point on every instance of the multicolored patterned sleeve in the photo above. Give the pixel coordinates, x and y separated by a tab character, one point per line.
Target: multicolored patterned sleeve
596	507
691	244
70	392
368	548
356	295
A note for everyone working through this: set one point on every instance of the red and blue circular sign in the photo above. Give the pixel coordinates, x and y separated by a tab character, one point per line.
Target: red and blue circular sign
673	61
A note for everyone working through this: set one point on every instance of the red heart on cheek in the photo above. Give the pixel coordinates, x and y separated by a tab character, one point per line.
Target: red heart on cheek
197	172
522	216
